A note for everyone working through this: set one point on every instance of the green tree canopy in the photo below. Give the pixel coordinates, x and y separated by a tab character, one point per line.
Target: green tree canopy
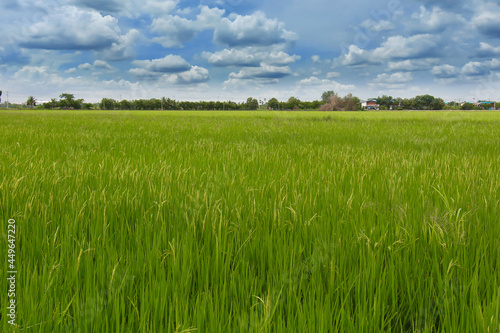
252	104
31	101
273	103
325	97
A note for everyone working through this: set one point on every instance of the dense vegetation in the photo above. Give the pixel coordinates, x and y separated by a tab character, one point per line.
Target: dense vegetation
330	101
253	221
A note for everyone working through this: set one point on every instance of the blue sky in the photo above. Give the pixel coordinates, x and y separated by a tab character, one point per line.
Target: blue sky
234	49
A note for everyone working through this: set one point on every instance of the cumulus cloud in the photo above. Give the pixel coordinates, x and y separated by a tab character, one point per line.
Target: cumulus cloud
129	7
359	57
394	48
316	58
97	68
378	26
412	65
264	72
330	84
171	69
101	5
392	81
393	78
448	4
71	28
333	75
487	19
249	57
474	69
176	30
195	75
168	64
233	57
123	48
252	30
434	21
445	71
487	50
470	71
156	7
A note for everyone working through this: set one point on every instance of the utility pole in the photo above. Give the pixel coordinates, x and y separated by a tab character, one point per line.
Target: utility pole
7	99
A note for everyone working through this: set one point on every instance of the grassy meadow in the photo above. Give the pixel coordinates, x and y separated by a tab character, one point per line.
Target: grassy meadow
252	221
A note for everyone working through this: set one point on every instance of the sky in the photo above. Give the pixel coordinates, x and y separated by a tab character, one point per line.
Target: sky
235	49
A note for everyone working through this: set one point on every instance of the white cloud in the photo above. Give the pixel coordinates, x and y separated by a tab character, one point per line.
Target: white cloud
101	5
434	21
209	18
264	72
249	57
168	64
327	84
378	26
123	48
392	81
157	7
176	30
233	57
195	75
487	19
252	30
359	57
475	68
316	58
71	28
130	8
412	65
394	48
98	64
86	66
171	69
487	50
333	75
445	71
494	64
394	78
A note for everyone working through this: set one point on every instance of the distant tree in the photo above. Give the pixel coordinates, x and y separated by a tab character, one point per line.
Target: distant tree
336	103
437	104
52	104
273	103
31	101
168	104
107	104
385	102
293	103
87	106
423	102
469	106
397	103
325	97
408	104
124	105
252	104
67	101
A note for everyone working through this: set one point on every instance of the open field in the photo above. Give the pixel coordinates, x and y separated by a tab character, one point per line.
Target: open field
252	221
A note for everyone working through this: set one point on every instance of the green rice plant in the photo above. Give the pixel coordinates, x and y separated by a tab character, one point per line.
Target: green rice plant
253	221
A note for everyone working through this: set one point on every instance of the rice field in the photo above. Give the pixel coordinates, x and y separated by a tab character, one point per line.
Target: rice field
252	221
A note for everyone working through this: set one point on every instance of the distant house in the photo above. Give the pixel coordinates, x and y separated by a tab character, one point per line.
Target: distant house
487	105
370	104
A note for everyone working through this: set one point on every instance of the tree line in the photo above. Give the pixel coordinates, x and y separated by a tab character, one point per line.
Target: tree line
330	101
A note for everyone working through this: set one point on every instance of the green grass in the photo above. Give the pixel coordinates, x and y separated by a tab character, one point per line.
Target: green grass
253	221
